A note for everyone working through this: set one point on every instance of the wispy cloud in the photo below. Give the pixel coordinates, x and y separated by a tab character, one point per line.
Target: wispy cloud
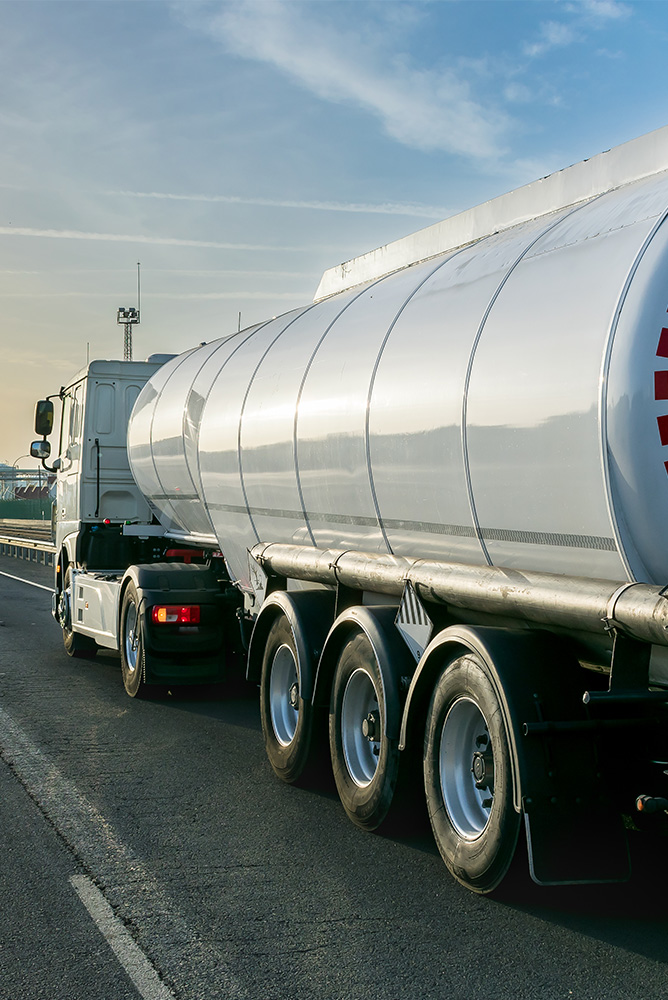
232	273
423	108
386	208
600	10
188	272
170	241
552	34
236	294
585	15
33	359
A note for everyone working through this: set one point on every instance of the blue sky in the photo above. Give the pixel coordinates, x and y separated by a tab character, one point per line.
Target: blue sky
237	149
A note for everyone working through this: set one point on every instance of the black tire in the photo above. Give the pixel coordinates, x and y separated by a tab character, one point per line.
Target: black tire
76	645
287	719
132	644
468	777
365	761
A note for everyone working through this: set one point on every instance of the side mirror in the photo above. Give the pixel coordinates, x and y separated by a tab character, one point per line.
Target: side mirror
43	418
40	449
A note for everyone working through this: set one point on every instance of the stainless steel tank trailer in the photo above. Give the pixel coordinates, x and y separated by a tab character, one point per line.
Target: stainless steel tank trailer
436	498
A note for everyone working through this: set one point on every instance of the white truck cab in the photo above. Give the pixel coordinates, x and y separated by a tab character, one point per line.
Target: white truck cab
118	576
94	481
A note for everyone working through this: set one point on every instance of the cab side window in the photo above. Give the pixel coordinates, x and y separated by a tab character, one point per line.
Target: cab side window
70	445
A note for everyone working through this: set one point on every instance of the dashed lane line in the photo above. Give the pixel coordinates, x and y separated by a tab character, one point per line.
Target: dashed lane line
112	864
126	950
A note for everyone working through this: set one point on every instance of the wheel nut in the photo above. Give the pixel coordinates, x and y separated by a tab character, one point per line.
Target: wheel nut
369	727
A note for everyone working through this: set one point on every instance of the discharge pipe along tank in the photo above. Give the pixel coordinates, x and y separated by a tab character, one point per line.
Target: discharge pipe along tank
502	403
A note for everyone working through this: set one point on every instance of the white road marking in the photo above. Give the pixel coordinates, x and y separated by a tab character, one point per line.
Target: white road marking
126	950
95	843
29	582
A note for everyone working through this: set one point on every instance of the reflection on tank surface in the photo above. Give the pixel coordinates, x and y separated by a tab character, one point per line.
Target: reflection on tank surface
465	408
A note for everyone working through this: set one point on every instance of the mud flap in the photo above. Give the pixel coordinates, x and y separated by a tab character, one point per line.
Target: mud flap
570	801
578	844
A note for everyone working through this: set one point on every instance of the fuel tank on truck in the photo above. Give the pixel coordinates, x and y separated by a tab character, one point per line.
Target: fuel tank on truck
493	389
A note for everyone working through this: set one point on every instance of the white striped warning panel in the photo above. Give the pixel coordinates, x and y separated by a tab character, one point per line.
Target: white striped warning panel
413	621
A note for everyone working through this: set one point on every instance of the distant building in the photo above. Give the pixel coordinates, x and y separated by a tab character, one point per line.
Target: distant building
25	484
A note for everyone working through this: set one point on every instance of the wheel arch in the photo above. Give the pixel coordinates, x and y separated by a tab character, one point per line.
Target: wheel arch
309	614
66	557
510	658
392	656
128	578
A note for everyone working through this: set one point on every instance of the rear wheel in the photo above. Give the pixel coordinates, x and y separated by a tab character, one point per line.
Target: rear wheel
365	760
468	777
77	645
287	719
132	644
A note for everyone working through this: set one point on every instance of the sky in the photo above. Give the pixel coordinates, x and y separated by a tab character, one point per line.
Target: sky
237	149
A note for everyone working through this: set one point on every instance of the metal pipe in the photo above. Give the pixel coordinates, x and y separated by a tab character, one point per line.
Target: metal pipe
565	602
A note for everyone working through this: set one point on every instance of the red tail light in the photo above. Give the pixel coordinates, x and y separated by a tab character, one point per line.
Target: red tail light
175	614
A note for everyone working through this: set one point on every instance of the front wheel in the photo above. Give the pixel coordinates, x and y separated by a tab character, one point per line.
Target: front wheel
76	644
365	760
132	644
468	777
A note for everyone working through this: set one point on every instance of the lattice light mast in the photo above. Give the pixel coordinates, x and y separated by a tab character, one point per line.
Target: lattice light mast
127	318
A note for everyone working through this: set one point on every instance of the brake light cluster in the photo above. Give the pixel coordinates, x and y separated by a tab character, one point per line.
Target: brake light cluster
175	614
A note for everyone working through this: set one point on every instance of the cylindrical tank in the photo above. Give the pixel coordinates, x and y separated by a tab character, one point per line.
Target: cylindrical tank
505	402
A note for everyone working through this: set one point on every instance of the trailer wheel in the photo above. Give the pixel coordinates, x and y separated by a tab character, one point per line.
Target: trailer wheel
287	719
77	645
468	777
132	644
365	760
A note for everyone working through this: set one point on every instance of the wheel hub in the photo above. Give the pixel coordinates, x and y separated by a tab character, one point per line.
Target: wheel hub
482	769
370	727
293	696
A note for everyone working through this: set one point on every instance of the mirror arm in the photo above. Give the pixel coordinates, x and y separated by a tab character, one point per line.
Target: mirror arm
50	468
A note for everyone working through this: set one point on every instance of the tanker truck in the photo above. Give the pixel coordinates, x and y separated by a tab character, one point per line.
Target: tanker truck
433	505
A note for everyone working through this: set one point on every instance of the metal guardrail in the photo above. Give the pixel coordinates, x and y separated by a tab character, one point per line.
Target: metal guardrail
24	542
35	530
22	548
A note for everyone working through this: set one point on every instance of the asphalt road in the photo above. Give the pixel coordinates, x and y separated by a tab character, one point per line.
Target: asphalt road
148	851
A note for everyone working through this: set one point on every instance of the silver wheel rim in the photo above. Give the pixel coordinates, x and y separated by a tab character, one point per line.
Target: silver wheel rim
466	769
64	610
284	695
131	643
361	727
65	604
